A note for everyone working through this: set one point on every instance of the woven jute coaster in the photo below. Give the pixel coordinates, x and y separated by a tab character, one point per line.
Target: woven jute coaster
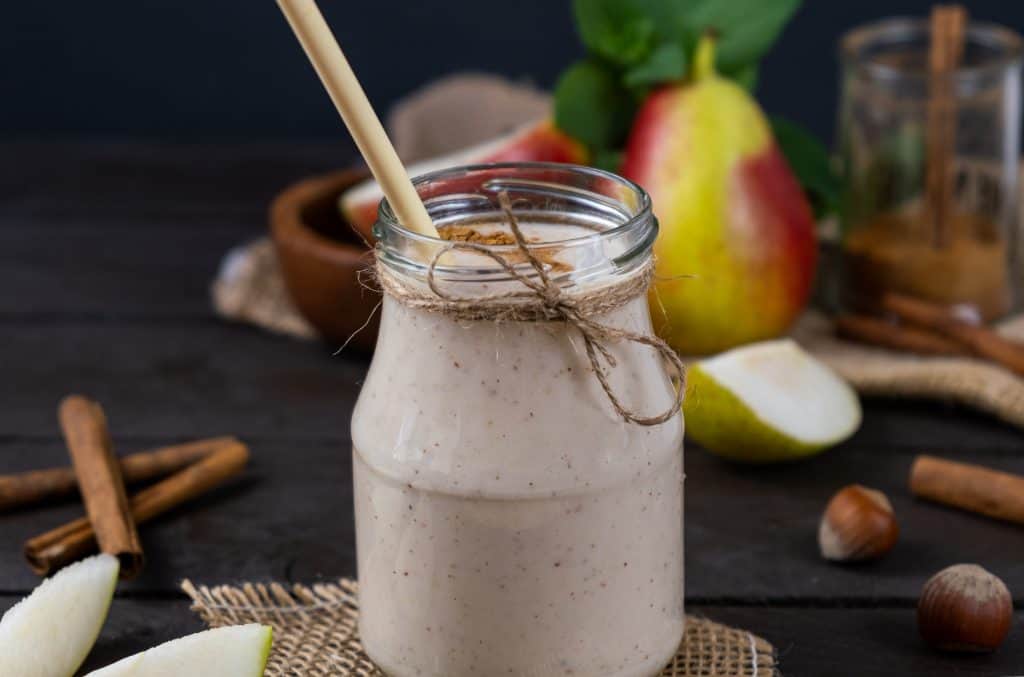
315	632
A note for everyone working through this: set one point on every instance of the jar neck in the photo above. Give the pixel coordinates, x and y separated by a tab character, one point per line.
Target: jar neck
586	225
894	53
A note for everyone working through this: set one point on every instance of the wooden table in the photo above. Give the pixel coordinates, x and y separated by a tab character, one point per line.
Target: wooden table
106	254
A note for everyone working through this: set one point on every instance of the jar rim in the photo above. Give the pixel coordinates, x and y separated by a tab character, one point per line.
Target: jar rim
386	215
1004	41
618	210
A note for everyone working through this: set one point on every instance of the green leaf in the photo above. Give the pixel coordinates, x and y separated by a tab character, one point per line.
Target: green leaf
810	162
669	18
745	76
747	28
665	64
608	160
617	30
592	106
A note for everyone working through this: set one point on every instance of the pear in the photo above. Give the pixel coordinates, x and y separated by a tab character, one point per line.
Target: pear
233	651
50	632
769	401
737	251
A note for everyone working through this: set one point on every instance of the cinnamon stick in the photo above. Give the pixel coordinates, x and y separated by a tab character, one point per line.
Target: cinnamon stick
969	487
21	489
100	481
879	332
979	341
51	551
944	54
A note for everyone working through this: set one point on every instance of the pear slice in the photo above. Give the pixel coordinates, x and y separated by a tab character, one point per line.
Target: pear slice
769	401
50	632
233	651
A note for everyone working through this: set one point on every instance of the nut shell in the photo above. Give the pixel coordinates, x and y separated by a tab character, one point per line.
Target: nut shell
964	608
858	525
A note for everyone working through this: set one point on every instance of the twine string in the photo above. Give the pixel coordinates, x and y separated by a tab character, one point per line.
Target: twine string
551	303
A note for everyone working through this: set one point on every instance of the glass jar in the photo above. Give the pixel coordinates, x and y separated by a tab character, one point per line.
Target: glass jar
931	167
509	521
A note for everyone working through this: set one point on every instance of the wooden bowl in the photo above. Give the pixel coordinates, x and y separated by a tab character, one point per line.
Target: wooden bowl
322	258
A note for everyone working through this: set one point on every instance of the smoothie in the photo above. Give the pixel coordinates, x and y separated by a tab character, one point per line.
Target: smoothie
508	520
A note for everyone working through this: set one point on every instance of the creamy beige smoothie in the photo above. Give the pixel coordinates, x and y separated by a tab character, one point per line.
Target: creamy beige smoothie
508	520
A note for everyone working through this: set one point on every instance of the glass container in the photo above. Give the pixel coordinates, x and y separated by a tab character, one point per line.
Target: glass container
509	521
930	161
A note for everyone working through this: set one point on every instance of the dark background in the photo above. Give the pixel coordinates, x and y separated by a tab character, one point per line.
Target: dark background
231	69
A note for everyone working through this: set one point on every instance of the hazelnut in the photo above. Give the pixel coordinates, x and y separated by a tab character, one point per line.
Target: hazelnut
858	525
964	608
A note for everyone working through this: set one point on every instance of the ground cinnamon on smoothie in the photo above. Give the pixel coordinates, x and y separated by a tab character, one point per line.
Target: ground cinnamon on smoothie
496	238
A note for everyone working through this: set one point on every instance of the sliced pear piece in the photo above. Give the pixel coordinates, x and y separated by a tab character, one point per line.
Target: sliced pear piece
233	651
769	401
50	632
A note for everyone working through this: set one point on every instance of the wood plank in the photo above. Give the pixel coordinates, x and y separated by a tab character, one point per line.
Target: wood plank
810	642
78	271
288	517
164	379
172	381
45	182
861	642
134	230
750	533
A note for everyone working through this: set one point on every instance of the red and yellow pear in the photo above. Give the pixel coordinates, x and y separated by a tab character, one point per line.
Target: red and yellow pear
737	251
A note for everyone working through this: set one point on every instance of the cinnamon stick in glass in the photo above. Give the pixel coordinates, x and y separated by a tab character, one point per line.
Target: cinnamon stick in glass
35	486
969	487
100	481
948	23
51	551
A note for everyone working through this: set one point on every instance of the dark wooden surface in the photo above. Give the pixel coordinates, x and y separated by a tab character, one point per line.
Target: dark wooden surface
106	254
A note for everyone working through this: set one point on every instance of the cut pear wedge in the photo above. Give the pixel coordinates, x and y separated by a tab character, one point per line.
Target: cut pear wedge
50	632
234	651
767	402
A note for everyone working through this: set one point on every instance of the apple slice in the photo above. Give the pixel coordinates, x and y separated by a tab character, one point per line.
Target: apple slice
233	651
768	401
50	632
536	142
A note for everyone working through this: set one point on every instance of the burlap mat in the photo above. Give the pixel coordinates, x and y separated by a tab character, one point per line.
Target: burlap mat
315	633
874	371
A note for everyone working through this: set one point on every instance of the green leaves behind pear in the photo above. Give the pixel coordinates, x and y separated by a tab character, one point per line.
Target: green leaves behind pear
746	28
811	163
592	105
627	33
666	63
619	31
608	160
745	76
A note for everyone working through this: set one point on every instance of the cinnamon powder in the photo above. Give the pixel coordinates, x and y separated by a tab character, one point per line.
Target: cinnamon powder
894	253
497	238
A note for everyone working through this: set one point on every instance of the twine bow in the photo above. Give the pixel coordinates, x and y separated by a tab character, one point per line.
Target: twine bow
555	305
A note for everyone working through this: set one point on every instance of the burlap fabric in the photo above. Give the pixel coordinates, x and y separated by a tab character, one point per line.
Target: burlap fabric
315	633
874	371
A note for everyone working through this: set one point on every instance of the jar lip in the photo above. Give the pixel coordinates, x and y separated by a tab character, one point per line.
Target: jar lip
1005	41
386	215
